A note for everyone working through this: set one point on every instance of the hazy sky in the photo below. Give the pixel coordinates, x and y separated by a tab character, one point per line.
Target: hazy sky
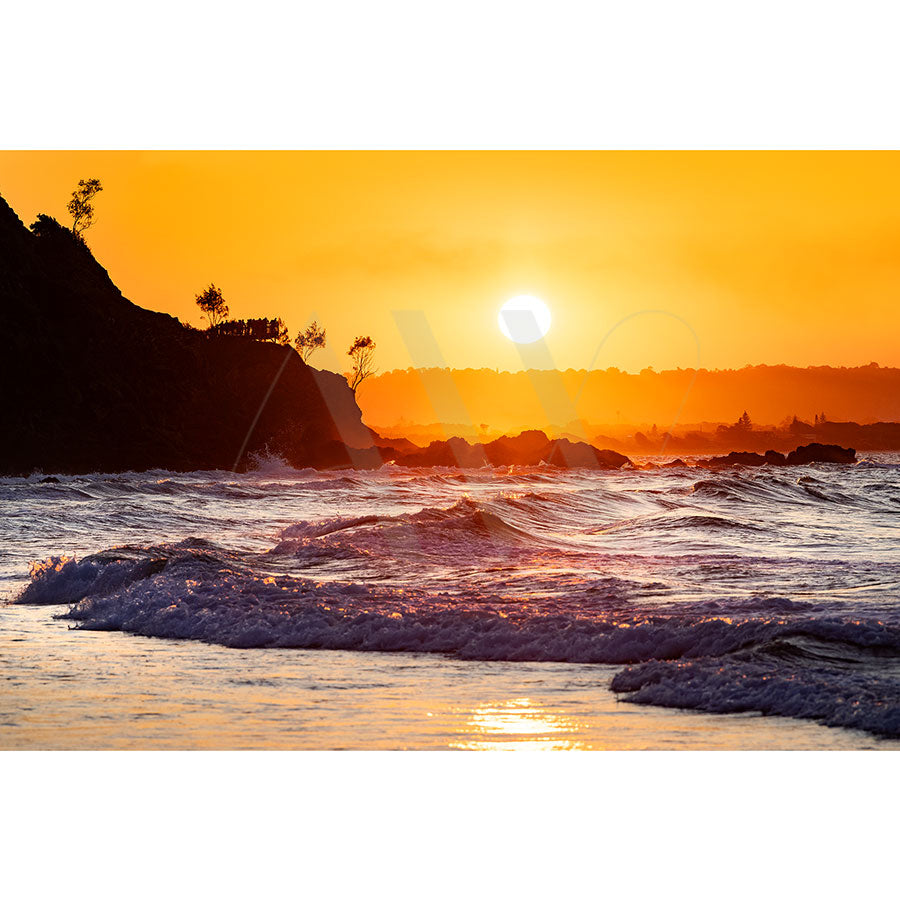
768	257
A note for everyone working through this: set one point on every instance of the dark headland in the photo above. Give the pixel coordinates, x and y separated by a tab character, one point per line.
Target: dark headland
94	383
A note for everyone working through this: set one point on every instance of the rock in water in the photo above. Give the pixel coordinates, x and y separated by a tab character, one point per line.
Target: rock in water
821	453
808	453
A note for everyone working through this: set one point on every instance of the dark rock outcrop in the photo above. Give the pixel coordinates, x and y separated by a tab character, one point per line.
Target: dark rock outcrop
578	454
402	445
808	453
92	382
530	448
821	453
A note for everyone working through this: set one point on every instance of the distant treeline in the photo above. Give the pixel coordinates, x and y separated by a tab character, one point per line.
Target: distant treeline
511	401
876	436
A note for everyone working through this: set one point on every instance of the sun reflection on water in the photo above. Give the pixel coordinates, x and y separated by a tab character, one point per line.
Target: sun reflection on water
518	724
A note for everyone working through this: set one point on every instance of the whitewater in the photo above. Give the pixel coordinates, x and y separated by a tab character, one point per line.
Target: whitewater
680	607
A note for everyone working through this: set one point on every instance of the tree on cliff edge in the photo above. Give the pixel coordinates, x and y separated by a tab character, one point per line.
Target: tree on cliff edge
280	333
213	305
362	352
80	207
309	341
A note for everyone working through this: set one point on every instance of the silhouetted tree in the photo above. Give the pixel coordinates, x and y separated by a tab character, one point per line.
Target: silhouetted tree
257	329
362	352
279	332
47	227
309	341
80	207
213	305
233	328
744	423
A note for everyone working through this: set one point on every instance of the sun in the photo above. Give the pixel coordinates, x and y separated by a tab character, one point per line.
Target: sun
524	319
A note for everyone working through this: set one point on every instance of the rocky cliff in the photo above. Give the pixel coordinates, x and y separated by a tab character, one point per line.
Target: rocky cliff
92	382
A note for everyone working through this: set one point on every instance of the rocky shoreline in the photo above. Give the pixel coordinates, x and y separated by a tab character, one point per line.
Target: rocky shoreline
534	448
807	453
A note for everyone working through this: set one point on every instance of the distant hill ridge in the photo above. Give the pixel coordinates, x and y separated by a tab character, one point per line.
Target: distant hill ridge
512	401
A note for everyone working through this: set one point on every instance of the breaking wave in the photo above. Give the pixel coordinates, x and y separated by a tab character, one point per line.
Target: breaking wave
772	591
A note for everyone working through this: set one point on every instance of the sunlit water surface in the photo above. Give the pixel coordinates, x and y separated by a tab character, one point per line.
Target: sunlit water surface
439	609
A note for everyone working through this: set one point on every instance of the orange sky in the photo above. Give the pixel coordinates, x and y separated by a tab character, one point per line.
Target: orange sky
769	257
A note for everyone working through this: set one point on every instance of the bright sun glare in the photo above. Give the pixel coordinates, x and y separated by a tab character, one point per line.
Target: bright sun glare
524	319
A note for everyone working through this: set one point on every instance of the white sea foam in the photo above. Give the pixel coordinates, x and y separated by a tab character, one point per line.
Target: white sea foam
773	591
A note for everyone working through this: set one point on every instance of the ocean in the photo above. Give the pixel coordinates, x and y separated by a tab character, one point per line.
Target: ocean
513	607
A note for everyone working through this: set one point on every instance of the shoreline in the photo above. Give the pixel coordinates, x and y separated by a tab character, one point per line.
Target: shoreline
257	561
472	457
183	695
